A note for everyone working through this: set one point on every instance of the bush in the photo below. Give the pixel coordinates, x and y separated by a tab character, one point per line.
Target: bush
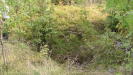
72	28
121	10
118	11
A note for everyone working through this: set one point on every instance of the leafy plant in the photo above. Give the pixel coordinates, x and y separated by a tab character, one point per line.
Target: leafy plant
118	10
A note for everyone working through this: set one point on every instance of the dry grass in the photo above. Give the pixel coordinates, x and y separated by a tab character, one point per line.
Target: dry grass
67	16
94	12
23	61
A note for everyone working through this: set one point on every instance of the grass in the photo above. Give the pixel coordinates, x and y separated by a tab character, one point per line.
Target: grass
21	60
68	16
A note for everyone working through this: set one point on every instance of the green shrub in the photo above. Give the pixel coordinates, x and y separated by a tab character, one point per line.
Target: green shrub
72	30
121	10
118	11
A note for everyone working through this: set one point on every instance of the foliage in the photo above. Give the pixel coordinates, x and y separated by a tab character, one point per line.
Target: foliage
41	28
122	11
68	32
119	12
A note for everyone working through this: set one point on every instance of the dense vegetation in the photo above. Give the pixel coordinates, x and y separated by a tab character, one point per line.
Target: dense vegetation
68	31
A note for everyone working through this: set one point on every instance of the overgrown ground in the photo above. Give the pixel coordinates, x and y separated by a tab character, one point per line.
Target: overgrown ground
21	60
68	39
